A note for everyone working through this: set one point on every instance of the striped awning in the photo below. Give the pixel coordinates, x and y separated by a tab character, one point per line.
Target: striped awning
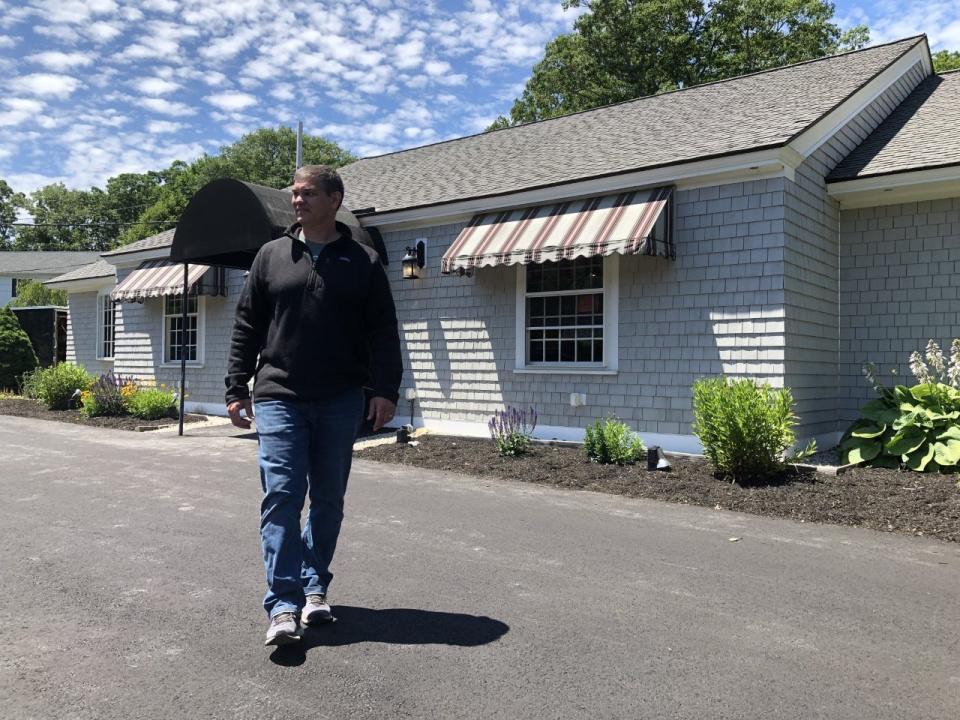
601	225
156	278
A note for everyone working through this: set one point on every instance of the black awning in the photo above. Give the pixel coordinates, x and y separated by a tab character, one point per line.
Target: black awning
227	221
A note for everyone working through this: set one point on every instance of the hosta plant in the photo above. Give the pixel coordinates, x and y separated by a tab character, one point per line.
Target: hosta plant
915	427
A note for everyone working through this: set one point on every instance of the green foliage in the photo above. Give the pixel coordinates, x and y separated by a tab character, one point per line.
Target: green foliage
66	220
151	403
624	49
612	442
265	157
16	353
136	205
9	202
107	395
946	60
54	386
916	427
512	430
745	427
31	293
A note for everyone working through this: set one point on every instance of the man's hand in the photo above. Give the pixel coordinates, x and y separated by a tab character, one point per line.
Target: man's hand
233	410
381	412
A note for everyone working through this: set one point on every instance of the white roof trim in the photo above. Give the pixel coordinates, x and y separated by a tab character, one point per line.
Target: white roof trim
744	167
893	189
813	137
84	284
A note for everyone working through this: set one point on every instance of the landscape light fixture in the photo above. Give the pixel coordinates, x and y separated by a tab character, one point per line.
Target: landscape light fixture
414	260
656	460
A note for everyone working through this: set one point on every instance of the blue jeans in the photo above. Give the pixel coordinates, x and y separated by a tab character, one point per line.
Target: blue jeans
305	448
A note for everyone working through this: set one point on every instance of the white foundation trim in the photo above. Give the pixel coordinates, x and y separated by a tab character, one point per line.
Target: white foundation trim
687	444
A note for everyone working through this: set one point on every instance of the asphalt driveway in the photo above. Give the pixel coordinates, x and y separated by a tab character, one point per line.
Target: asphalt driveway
131	583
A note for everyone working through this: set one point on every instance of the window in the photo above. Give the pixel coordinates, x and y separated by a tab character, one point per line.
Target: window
106	327
13	287
177	338
564	312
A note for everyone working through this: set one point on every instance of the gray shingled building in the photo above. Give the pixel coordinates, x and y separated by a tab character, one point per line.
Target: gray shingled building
787	226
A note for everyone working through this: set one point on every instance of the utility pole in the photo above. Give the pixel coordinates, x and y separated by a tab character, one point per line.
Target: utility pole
299	144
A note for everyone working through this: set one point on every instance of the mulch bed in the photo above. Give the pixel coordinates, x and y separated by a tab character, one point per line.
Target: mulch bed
888	500
23	407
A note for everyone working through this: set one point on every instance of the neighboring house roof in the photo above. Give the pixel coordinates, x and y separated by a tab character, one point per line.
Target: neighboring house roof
164	239
42	264
922	132
752	112
98	269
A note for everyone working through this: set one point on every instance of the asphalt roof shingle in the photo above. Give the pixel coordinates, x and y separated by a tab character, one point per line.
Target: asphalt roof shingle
738	115
923	132
98	269
163	239
43	263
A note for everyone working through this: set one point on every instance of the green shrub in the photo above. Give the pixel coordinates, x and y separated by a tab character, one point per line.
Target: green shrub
744	426
915	427
512	430
55	385
611	442
31	293
151	403
16	353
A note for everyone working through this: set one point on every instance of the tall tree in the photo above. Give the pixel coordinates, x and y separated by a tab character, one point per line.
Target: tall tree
9	202
945	60
66	220
624	49
265	157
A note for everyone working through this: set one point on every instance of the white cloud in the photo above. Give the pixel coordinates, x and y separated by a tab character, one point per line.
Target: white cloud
102	31
167	107
159	127
231	100
54	60
74	12
224	48
164	6
46	84
19	110
409	54
155	86
6	41
282	93
890	20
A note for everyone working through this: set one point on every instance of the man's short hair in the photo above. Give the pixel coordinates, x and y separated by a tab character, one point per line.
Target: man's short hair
323	176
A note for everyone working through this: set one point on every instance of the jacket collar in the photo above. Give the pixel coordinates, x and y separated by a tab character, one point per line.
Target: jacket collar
294	231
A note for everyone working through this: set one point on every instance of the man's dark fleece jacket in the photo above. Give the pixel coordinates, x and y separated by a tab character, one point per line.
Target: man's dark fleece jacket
319	326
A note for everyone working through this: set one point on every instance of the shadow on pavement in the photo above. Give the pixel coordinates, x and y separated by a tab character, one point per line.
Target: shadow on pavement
399	626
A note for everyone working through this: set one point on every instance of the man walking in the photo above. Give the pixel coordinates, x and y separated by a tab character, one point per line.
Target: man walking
314	323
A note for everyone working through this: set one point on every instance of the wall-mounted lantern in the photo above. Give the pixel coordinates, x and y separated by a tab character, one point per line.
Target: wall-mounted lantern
414	260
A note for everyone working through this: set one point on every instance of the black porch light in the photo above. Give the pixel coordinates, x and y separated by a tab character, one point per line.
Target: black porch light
414	260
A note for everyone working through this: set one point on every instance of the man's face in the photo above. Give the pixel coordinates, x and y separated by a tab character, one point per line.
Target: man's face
312	204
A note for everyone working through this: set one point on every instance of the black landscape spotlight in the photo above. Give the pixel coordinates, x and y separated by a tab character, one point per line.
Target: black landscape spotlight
656	460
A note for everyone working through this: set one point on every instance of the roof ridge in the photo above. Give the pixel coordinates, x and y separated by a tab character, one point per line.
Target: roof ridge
915	38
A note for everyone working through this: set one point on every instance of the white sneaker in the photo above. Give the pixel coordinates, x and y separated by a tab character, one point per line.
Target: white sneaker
316	611
283	629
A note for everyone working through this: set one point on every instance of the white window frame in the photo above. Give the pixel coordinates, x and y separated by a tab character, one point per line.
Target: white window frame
611	323
201	316
103	297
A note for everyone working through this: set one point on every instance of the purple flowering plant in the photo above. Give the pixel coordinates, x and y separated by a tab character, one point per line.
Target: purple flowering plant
512	430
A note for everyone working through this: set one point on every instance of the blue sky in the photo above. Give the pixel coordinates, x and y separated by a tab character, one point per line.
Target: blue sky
93	88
